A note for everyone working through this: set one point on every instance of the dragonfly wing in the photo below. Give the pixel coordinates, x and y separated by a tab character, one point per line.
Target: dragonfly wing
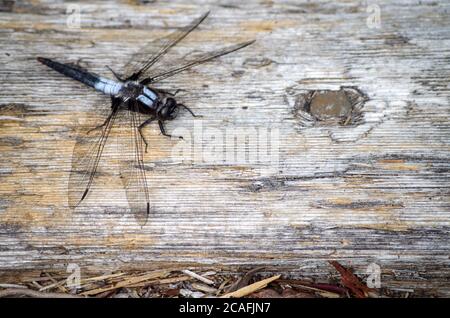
132	170
158	74
87	153
152	52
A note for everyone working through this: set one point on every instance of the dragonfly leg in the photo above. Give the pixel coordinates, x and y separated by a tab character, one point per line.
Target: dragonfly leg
177	91
163	130
115	74
141	126
102	125
189	110
170	93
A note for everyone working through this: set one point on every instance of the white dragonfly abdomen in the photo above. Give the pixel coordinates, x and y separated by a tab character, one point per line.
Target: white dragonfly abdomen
108	87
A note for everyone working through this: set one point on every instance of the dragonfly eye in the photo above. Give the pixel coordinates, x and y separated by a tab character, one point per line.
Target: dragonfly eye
173	112
170	102
169	110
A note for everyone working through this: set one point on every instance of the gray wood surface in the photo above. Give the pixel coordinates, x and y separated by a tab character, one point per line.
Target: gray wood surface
372	191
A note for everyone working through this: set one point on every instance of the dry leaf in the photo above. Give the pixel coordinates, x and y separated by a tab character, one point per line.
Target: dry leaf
352	282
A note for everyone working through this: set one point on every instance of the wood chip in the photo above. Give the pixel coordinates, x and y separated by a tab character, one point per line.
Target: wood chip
244	280
222	286
244	291
16	292
191	294
197	276
321	292
127	282
36	285
204	288
102	277
209	273
12	286
170	280
56	284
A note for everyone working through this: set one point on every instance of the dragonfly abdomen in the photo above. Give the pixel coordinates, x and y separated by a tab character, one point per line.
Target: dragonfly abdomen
107	86
76	73
101	84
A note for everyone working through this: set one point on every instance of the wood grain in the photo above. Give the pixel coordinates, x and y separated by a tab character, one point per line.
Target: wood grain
373	191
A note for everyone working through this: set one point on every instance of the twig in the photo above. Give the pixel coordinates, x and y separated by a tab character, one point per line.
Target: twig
11	286
10	292
102	277
222	286
197	276
57	284
36	284
321	292
321	286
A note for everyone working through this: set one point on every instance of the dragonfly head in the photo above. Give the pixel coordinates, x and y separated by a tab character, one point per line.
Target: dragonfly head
169	110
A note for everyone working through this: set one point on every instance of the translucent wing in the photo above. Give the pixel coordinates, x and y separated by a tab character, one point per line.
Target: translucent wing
158	74
87	153
151	53
132	170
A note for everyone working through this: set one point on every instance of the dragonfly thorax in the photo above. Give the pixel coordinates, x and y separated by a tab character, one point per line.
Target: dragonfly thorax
131	89
137	91
162	106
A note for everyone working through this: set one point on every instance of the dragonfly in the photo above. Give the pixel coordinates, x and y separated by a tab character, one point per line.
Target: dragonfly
133	104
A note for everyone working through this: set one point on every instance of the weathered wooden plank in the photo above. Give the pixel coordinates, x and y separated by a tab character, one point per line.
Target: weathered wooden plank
375	190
